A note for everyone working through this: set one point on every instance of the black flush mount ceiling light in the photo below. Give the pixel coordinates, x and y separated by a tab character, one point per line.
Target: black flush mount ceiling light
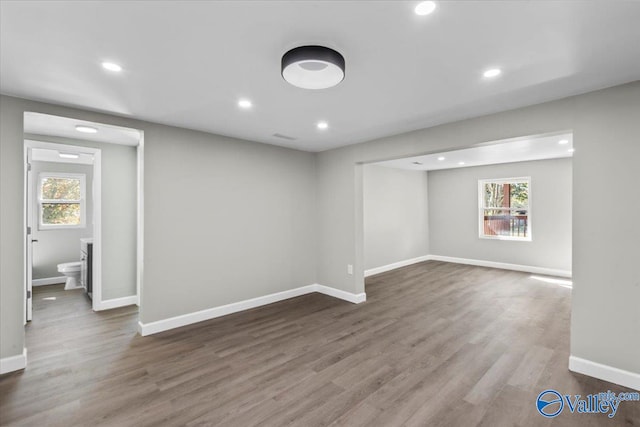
313	67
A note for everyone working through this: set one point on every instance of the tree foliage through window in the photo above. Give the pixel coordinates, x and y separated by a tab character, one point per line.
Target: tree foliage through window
505	208
61	200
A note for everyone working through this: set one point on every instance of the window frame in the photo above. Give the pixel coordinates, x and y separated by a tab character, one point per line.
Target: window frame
82	202
482	208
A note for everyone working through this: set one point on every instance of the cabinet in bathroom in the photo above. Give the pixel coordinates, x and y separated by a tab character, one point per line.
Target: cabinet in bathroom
86	270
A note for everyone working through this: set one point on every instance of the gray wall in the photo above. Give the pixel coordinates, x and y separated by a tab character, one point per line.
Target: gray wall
119	219
395	215
225	219
606	247
606	131
119	214
55	246
453	214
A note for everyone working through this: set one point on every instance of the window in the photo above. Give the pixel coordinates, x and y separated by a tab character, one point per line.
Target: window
505	208
61	200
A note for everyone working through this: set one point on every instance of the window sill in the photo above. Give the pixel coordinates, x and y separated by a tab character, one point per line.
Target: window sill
512	239
60	227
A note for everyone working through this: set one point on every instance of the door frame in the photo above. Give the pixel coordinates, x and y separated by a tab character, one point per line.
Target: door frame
29	144
28	219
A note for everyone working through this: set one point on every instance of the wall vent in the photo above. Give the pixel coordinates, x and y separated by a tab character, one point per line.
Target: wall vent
281	136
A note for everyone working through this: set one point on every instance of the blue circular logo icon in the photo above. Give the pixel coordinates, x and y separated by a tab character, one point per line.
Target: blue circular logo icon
549	403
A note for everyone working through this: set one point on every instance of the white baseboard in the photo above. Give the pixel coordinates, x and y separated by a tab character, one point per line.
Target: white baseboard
13	363
478	262
503	265
211	313
393	266
605	372
48	281
337	293
115	303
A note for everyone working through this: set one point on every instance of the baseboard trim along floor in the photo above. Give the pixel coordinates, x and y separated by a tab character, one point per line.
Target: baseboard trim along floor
13	363
394	265
116	302
604	372
48	281
211	313
503	266
468	261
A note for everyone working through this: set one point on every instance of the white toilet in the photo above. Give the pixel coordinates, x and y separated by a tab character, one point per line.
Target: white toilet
72	271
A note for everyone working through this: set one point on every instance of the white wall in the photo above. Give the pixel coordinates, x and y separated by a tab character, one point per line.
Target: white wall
453	214
395	215
606	131
54	245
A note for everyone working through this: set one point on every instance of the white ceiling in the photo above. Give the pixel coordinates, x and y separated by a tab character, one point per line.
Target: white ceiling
508	151
45	124
186	63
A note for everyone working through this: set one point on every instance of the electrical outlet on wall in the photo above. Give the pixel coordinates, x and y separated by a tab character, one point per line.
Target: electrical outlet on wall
350	269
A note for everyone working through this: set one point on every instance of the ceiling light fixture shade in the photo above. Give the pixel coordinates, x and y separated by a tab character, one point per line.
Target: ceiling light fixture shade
493	72
111	66
313	67
245	103
425	8
86	129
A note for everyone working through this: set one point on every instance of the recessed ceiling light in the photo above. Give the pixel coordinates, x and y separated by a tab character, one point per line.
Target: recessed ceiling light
322	125
441	158
461	163
244	103
313	67
111	66
563	141
86	129
68	155
571	150
493	72
425	8
417	163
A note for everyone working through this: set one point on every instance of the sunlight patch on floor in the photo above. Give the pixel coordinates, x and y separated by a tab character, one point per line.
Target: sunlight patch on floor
560	282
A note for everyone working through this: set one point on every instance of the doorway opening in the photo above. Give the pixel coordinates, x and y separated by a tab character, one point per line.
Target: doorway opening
502	204
63	216
83	210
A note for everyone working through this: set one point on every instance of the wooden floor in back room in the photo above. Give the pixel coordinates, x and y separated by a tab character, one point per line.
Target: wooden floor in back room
436	344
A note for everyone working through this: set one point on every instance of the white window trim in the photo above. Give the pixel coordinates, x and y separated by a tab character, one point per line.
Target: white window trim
481	208
82	178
